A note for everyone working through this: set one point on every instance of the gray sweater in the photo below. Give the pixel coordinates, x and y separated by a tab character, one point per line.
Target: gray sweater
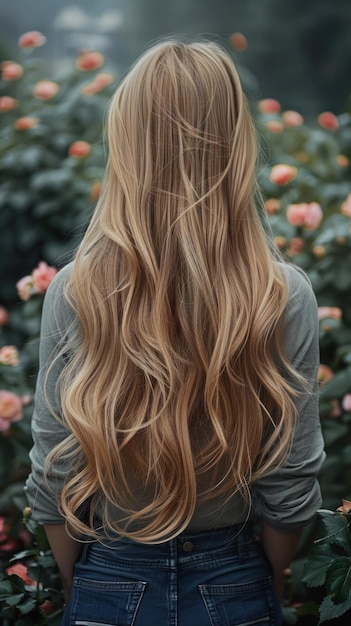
287	498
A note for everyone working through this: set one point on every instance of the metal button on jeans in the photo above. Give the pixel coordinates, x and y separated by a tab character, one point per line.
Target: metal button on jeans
188	546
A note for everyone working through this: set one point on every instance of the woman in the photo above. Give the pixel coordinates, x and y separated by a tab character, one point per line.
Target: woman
177	384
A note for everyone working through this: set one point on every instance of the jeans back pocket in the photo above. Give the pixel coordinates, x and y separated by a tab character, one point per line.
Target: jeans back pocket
105	603
241	604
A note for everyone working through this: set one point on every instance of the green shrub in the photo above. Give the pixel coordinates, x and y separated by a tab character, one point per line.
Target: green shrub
310	217
47	189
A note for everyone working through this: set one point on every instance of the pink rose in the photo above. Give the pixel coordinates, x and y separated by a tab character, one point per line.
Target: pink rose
280	241
47	607
319	251
10	409
346	206
282	174
24	123
346	507
9	355
238	41
272	205
95	191
324	374
21	570
296	214
3	529
79	149
328	120
25	287
292	119
7	545
307	215
90	88
104	78
275	126
42	277
98	84
329	312
335	410
11	70
4	316
89	60
46	89
32	39
269	105
7	103
314	216
342	160
346	402
296	245
37	282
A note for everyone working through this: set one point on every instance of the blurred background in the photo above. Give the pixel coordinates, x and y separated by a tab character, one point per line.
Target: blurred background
299	51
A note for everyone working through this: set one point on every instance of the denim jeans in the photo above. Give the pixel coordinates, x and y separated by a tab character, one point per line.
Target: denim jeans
207	578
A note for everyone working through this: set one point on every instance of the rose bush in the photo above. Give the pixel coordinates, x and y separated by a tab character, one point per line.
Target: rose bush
30	588
307	189
306	186
47	126
329	564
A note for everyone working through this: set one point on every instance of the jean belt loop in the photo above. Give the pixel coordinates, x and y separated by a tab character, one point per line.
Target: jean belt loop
84	553
241	544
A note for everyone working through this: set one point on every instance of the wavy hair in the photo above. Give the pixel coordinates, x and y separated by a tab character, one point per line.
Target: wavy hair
177	372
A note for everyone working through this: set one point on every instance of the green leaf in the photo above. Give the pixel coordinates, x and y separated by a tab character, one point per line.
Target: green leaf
19	200
31	158
338	580
14	600
333	431
17	583
23	555
41	538
316	567
342	275
329	610
5	589
46	560
347	354
336	528
337	386
27	606
6	458
51	180
45	208
28	237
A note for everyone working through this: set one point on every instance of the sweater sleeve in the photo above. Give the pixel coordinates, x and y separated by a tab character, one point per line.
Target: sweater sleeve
47	428
289	497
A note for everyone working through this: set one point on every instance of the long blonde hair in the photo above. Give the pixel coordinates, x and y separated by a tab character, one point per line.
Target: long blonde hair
179	306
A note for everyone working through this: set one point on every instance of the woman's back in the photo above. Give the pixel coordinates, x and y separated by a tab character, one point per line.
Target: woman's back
182	355
179	302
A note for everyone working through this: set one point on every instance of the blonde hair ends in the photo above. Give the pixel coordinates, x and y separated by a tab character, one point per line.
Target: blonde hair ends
179	305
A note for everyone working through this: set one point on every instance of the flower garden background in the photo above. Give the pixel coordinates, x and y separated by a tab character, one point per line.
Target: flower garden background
51	164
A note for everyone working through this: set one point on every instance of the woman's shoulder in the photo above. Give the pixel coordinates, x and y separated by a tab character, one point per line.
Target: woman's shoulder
60	279
301	308
56	307
296	279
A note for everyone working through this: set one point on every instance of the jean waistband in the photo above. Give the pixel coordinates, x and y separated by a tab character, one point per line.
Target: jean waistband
187	544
